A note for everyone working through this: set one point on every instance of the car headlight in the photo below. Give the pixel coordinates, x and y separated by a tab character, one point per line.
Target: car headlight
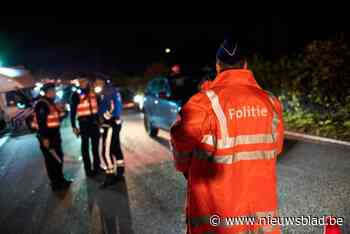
98	89
138	98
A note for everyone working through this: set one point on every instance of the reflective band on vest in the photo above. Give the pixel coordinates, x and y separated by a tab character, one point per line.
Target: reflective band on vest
53	118
86	107
238	140
236	157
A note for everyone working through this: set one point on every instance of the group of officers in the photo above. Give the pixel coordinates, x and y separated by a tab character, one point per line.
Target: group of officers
228	160
99	124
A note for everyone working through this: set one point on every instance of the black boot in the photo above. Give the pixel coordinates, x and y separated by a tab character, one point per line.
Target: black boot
120	171
61	185
90	173
109	180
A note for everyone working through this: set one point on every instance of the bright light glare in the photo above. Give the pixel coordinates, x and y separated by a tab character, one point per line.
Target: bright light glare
42	93
60	94
98	89
20	105
167	50
10	72
138	98
37	89
75	82
39	85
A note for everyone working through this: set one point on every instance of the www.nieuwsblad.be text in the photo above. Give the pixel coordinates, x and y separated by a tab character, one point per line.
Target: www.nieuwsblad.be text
304	220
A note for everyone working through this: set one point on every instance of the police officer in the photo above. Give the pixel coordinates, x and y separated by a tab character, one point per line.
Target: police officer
112	159
84	105
226	144
47	122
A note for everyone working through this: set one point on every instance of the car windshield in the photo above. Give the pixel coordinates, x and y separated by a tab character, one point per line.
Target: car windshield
183	87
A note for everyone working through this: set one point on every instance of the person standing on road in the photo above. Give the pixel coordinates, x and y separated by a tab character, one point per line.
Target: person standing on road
47	123
225	143
84	104
111	155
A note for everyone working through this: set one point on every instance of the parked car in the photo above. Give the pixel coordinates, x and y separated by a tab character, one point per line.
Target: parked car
164	97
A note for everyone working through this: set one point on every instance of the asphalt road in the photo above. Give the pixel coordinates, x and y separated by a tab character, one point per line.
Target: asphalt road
313	179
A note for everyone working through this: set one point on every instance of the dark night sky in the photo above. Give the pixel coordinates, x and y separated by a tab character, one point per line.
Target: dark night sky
52	44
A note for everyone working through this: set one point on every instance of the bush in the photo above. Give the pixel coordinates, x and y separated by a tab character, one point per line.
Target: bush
314	87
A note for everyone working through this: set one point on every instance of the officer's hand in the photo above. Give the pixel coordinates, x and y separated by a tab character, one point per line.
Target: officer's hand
112	106
76	131
46	143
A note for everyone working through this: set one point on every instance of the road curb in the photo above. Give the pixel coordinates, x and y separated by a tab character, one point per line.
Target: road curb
316	139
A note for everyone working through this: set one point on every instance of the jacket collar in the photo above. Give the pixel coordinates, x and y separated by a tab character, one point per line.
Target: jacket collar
233	77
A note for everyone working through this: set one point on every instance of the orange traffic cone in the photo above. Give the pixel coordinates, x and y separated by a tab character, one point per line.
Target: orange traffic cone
331	227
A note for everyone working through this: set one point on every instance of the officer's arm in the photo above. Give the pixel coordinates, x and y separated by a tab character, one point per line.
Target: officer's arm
118	105
186	133
42	111
73	107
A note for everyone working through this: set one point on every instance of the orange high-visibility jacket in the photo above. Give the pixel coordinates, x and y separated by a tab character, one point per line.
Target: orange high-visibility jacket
53	118
87	105
226	144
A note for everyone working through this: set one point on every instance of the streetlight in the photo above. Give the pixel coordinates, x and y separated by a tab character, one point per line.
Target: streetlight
167	50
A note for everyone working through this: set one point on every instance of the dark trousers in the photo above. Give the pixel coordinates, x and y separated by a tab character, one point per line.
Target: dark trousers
89	132
53	157
112	157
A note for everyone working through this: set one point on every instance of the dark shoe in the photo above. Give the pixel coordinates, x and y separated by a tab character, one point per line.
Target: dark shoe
119	177
91	173
109	180
120	171
55	186
99	171
60	185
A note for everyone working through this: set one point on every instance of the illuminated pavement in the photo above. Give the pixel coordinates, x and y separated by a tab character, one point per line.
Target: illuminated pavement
313	180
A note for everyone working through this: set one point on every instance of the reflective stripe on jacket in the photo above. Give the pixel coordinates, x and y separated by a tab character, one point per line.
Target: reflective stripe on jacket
53	118
87	105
